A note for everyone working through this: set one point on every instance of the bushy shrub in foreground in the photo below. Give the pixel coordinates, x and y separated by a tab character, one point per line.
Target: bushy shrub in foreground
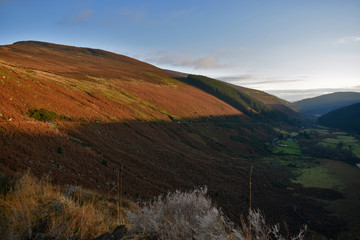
191	215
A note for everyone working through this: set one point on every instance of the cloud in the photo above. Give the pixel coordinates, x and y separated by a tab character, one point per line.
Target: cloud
127	17
293	95
132	16
81	17
84	15
251	79
208	62
347	40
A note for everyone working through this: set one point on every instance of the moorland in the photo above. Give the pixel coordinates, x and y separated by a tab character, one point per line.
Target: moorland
81	116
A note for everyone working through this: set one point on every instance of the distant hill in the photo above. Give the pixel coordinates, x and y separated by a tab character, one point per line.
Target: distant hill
328	102
347	118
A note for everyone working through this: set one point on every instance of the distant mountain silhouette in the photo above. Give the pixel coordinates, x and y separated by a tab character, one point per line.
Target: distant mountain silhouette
347	118
325	103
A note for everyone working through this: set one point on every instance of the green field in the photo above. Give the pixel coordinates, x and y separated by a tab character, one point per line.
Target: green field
287	147
291	161
319	177
319	172
348	142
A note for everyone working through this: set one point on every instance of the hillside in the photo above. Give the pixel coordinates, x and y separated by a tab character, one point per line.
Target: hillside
279	104
249	105
91	84
83	115
328	102
79	114
346	118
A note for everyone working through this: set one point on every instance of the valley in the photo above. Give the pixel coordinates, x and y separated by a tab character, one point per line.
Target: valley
81	116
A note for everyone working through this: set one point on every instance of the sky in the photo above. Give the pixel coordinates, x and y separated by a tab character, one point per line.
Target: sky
293	49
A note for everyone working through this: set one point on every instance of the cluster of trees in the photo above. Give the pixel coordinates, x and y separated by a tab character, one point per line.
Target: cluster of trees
311	147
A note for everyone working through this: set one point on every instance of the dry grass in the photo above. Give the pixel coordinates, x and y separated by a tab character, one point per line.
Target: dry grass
36	206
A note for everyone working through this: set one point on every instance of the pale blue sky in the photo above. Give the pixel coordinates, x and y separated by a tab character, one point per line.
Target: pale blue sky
271	45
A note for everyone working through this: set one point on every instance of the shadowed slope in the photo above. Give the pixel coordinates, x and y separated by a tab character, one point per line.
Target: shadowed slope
237	97
347	118
328	102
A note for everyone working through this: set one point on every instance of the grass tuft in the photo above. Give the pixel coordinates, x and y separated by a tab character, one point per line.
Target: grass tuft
35	206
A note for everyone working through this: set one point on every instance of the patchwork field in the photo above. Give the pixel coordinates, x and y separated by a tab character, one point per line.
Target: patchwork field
332	183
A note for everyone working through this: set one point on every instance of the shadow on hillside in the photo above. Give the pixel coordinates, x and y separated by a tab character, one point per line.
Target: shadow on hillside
157	157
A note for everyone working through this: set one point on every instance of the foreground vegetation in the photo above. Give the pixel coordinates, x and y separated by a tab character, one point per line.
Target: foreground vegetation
34	207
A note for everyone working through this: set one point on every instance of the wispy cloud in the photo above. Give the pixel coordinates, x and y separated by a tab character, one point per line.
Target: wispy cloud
84	15
208	62
347	40
250	79
81	17
131	16
293	95
128	17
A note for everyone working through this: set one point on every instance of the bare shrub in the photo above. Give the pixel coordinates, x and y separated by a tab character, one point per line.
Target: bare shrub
191	215
181	215
261	230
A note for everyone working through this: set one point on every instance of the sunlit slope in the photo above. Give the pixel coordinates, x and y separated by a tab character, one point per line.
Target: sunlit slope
90	84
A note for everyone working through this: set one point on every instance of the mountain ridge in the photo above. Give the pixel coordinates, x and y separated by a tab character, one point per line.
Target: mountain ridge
325	103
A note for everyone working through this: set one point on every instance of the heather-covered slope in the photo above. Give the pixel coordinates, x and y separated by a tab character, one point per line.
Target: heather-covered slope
243	97
90	84
277	103
79	114
83	115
